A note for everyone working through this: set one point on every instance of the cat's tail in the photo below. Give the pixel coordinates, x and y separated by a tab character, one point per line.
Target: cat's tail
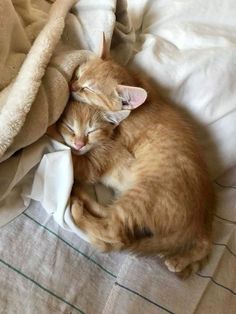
181	259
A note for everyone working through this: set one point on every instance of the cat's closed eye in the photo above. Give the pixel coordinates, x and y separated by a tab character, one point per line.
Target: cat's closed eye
68	127
87	89
92	131
76	88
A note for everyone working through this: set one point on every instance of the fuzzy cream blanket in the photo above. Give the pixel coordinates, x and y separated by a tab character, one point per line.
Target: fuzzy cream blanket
34	86
41	44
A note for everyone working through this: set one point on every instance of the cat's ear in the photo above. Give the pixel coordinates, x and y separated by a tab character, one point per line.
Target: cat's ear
131	96
116	117
103	51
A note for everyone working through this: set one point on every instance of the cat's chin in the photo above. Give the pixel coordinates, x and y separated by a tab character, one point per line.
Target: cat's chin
79	152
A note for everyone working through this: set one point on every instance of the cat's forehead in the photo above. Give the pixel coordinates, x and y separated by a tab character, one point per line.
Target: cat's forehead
96	72
86	78
85	70
83	113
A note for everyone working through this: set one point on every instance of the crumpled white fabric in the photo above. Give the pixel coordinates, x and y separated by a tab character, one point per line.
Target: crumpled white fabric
53	182
45	174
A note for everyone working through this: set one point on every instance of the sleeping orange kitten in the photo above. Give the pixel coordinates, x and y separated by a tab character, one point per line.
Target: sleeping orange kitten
90	133
152	159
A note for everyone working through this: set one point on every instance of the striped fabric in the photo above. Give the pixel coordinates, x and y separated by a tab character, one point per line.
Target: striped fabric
44	269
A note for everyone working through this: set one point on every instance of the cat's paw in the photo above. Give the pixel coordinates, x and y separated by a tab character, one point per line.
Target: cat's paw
83	195
76	209
176	264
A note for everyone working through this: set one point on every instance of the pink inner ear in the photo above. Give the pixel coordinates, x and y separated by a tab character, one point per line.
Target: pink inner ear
134	96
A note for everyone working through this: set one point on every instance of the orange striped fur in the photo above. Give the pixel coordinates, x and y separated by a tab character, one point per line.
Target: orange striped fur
164	200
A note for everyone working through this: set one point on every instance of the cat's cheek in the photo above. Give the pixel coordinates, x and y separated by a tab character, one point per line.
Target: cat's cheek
68	139
105	134
93	137
96	140
79	96
82	95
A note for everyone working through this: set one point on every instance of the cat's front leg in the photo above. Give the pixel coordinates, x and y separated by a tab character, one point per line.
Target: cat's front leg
91	205
99	230
77	209
86	201
84	220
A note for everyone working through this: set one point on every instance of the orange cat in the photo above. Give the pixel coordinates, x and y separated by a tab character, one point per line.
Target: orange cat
165	198
90	132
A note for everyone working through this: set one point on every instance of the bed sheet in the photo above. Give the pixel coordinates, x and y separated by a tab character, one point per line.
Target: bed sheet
45	269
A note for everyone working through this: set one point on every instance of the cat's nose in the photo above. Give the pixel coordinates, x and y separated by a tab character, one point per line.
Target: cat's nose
74	86
78	143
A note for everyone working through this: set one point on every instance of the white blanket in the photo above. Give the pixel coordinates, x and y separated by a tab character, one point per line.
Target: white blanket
188	49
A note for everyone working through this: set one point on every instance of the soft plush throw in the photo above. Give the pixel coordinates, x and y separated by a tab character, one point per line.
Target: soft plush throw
40	46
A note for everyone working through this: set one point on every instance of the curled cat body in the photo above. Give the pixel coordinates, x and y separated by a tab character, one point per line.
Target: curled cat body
165	198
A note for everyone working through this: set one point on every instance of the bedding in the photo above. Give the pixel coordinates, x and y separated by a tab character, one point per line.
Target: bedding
187	48
46	269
